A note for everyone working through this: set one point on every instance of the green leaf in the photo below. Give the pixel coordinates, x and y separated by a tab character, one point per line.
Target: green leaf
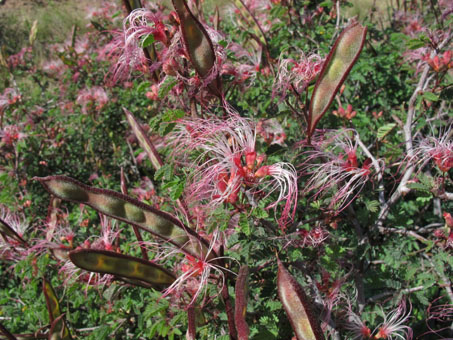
143	86
166	86
430	96
244	224
413	44
385	130
172	115
147	41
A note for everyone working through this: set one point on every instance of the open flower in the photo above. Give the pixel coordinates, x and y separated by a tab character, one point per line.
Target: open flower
296	73
393	325
334	169
229	165
438	149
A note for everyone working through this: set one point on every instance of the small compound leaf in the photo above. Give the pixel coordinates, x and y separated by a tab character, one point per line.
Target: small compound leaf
338	63
297	306
108	262
240	308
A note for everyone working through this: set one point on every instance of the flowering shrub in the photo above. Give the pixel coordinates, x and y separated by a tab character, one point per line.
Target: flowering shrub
256	170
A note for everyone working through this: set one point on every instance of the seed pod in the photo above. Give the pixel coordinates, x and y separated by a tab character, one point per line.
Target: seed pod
53	306
297	306
143	140
108	262
59	330
129	210
339	62
240	308
197	41
7	230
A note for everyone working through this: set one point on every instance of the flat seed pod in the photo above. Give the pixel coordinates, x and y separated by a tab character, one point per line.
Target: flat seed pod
240	308
108	262
59	330
53	306
198	43
10	232
297	306
127	209
144	141
339	62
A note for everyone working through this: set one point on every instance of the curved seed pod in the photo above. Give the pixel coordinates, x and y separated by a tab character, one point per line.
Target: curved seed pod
53	306
240	308
129	210
297	306
108	262
10	232
59	330
6	333
197	41
143	140
339	62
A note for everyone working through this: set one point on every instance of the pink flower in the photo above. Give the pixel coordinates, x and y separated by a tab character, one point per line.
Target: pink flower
10	134
53	67
197	273
333	167
438	149
93	99
296	73
393	325
139	25
229	165
355	325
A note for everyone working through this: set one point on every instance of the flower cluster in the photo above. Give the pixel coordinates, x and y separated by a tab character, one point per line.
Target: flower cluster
229	165
296	73
333	167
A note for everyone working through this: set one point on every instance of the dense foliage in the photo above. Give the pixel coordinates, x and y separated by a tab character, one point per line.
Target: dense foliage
215	172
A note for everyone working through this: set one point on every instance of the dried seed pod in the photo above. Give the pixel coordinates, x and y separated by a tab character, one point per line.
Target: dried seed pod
297	306
339	62
108	262
53	306
240	308
129	210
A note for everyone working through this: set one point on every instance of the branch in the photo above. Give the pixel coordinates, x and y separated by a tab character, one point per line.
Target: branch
376	166
407	132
